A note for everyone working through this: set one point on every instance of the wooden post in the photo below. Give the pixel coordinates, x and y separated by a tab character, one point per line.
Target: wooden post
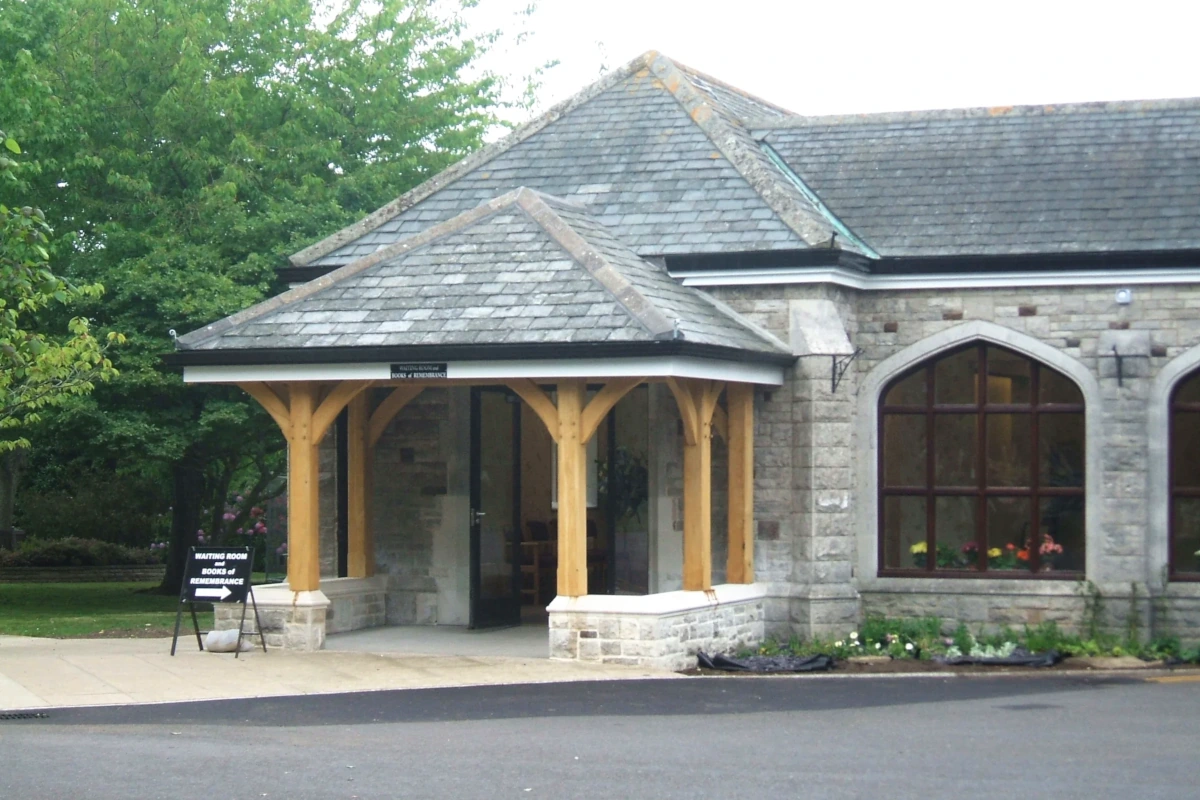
304	422
739	567
572	491
697	400
360	560
304	571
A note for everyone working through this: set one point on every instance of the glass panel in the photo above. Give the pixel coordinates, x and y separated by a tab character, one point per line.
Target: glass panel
955	532
1062	543
1060	451
908	391
955	449
1008	443
1185	443
1008	377
495	496
1186	534
631	484
956	377
1008	533
1189	390
1053	387
904	532
904	450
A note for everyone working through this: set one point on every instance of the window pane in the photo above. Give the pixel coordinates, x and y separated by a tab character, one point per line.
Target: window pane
1008	456
1008	377
904	450
904	522
909	391
1008	533
956	377
1054	387
1186	538
1062	534
1185	439
1061	450
955	449
955	532
1189	391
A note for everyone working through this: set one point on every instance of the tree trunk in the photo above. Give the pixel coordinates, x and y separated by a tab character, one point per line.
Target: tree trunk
11	464
188	495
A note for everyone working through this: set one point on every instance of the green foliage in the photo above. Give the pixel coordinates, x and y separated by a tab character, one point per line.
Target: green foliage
186	148
124	510
41	365
74	552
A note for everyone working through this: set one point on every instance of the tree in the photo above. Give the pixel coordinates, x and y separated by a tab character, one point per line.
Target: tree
194	145
39	368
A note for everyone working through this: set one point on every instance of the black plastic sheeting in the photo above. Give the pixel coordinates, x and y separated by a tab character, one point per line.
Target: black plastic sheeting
766	664
1019	658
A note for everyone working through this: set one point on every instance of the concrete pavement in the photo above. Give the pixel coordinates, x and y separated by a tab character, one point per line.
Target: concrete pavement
43	673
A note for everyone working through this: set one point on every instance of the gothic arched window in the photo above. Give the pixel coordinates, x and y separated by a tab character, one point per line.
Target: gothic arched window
1185	479
981	468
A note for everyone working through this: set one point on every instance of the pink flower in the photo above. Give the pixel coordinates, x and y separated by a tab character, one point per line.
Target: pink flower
229	516
239	530
256	512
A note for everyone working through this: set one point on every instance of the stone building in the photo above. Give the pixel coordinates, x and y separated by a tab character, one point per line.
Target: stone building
690	369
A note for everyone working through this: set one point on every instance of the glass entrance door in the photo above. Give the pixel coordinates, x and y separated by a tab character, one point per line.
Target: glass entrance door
495	515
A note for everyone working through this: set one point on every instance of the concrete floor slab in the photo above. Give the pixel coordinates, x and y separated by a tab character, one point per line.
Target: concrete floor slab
524	641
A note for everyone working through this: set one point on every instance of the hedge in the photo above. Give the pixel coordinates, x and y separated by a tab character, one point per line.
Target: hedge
75	552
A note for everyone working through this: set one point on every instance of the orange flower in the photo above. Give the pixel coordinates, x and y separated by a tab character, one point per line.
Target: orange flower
1023	555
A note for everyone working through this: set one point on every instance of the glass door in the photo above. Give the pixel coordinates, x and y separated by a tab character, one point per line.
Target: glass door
495	514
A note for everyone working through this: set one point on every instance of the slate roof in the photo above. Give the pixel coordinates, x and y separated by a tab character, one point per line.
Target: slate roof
1040	179
521	269
655	151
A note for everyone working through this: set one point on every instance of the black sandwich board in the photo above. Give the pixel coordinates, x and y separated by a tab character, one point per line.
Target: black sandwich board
218	575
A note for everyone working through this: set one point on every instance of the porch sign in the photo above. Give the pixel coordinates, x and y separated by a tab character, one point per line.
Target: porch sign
417	372
218	575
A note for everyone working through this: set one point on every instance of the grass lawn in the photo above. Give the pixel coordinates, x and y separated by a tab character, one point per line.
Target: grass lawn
74	610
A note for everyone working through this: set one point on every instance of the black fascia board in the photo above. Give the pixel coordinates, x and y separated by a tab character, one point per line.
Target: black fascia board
1035	262
766	259
469	352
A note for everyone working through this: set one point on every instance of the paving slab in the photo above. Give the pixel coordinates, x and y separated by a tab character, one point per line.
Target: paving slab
44	673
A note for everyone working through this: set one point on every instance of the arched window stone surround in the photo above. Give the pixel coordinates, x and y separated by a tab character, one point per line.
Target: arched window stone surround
867	431
1159	428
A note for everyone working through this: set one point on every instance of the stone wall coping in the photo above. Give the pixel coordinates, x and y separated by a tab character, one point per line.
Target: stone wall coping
1001	587
341	587
677	602
280	594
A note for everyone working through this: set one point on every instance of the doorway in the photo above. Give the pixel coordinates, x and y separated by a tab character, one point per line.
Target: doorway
495	511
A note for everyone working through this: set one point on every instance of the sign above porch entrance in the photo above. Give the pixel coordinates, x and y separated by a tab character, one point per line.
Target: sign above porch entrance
523	278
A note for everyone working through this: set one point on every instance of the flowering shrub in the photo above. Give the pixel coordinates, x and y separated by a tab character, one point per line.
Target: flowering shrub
1007	557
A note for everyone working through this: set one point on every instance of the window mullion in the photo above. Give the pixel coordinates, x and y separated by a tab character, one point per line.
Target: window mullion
930	497
1035	473
981	526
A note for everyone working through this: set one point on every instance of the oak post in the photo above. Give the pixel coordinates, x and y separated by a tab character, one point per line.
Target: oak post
304	572
360	560
572	491
739	567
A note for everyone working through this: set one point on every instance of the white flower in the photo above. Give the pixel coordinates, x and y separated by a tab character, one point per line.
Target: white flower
837	644
853	634
908	646
878	645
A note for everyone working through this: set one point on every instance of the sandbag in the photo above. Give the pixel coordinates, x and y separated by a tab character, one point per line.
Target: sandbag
766	664
226	642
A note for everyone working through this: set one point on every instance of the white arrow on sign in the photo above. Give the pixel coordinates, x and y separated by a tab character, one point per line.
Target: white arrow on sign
220	594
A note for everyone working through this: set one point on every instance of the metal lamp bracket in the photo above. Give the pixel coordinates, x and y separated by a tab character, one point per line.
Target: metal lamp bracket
840	365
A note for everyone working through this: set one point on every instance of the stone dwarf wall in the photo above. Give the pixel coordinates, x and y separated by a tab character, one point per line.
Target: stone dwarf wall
663	631
355	603
138	573
290	620
814	464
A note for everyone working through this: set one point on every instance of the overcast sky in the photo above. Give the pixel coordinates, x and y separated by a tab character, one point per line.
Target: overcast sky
847	56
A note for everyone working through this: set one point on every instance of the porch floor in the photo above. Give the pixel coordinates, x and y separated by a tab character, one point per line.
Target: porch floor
525	641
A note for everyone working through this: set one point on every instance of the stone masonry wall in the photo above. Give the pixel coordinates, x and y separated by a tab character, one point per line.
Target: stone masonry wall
667	641
807	511
411	478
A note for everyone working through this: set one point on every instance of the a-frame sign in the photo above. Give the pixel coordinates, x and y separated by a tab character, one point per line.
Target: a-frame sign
218	575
